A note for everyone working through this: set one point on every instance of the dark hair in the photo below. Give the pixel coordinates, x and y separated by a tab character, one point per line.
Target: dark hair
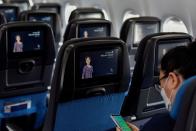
181	59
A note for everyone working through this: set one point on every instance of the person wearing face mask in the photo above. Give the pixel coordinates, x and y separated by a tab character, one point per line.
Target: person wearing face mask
177	65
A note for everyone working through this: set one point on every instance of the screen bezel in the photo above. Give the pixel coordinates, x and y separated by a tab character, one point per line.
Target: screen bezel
99	80
136	45
86	25
12	55
160	42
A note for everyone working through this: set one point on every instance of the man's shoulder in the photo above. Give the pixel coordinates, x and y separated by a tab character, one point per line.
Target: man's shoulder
161	122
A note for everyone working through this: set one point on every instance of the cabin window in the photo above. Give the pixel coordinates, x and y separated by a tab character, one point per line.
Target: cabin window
130	14
173	24
68	9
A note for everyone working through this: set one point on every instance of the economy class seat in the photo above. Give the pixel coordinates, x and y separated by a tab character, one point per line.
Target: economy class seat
85	102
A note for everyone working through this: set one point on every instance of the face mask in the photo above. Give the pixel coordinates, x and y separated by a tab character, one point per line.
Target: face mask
165	98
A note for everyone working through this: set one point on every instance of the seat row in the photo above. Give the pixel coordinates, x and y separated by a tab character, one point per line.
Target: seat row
91	78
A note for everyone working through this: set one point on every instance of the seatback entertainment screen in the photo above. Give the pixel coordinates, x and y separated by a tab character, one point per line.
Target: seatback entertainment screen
95	30
143	29
25	41
164	46
10	14
44	18
99	63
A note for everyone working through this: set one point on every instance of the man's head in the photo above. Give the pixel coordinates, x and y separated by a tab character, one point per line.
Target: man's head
177	65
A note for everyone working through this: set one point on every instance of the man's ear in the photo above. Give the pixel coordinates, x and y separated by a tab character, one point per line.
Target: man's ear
174	80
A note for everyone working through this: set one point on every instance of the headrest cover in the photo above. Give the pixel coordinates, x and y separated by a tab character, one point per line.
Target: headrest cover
87	28
145	66
165	44
51	18
27	31
93	64
54	7
135	29
27	57
176	107
157	46
22	4
86	13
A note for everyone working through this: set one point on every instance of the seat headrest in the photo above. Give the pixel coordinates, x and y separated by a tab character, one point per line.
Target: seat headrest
19	27
145	66
183	89
27	53
161	44
92	27
150	24
55	7
160	36
84	13
49	17
10	11
108	58
157	47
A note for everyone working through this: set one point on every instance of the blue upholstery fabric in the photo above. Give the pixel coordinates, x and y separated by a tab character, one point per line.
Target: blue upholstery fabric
179	96
38	105
91	114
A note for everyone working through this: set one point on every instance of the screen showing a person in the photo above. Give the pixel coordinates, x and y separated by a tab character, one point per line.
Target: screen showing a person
90	15
10	14
26	41
163	48
143	29
44	18
98	63
92	31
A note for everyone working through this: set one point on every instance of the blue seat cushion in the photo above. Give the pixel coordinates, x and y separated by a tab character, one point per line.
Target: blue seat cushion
179	96
91	114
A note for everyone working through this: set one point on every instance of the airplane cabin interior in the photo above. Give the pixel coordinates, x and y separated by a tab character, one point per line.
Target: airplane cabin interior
97	65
